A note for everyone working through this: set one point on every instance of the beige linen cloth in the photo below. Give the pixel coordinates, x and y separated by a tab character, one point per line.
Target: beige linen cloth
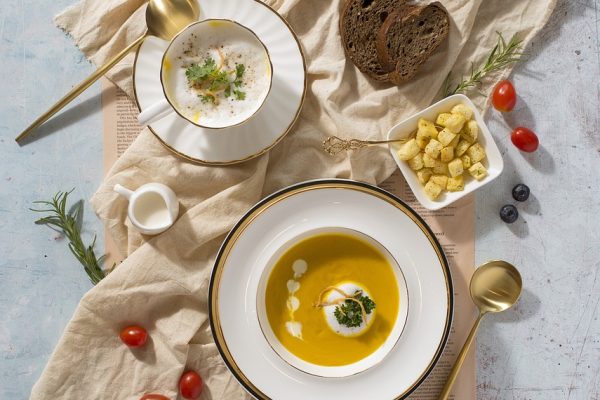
162	284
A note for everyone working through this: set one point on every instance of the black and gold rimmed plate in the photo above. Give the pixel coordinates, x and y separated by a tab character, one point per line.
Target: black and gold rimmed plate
267	127
324	204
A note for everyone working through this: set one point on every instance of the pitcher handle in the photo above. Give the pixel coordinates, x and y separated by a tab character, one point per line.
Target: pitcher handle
155	112
123	191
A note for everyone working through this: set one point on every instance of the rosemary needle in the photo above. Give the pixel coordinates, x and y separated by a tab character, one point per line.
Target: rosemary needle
69	223
501	55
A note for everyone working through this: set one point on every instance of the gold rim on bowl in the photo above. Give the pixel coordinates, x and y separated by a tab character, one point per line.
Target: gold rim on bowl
283	194
207	21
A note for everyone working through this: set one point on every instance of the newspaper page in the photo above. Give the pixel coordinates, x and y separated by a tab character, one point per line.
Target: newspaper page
119	115
454	227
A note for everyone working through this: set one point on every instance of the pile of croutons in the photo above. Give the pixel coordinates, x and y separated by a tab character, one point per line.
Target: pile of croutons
442	151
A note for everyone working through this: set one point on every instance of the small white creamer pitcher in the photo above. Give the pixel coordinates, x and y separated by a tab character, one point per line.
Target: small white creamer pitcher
153	207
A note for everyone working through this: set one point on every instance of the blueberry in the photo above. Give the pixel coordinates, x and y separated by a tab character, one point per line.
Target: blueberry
509	213
520	192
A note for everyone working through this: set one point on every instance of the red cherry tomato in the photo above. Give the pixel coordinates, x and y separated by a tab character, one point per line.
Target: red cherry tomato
525	139
190	385
504	96
154	397
134	336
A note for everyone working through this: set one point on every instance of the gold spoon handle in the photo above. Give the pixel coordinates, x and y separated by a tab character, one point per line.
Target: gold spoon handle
77	90
461	359
373	142
334	145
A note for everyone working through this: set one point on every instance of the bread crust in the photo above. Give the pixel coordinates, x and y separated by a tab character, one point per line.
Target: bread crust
359	41
405	66
397	16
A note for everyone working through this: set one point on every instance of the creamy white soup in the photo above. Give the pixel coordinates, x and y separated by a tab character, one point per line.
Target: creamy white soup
218	75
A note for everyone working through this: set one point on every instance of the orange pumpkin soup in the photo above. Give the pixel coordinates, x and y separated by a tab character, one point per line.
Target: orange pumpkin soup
314	266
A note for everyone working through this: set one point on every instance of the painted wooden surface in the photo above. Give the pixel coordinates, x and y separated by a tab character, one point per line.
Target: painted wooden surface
40	281
547	348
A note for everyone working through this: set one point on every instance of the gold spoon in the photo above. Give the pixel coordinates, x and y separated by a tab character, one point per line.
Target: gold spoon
334	145
164	19
495	287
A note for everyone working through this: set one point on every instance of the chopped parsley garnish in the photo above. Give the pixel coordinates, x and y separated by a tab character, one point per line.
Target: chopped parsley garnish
209	98
239	74
198	73
239	95
220	79
210	80
350	312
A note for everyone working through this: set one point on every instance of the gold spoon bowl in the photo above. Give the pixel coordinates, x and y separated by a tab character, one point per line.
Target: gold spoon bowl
166	18
495	287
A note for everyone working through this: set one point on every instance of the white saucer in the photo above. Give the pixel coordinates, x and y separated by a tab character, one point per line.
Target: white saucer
306	207
261	132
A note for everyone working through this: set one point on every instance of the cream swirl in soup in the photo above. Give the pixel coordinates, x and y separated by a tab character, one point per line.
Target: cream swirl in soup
218	75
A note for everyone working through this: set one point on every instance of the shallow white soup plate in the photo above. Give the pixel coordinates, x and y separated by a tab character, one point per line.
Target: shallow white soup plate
310	206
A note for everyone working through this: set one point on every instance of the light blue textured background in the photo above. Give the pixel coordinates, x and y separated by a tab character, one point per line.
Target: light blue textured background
40	281
547	348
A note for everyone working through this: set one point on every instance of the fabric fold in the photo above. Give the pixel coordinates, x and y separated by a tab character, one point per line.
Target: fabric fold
163	283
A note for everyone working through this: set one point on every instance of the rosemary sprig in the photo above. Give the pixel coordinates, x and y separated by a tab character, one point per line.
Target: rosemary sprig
69	223
501	55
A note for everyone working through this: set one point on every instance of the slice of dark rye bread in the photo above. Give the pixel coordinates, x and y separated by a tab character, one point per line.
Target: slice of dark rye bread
359	24
408	37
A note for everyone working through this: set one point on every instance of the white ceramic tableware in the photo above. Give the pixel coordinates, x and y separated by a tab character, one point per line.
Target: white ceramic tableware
261	132
234	292
346	370
212	32
153	207
493	161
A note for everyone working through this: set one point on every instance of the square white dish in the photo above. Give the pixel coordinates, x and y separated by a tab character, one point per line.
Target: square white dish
493	162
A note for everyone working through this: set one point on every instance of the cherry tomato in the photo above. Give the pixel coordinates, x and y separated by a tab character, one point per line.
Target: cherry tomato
504	96
525	139
134	336
190	385
154	397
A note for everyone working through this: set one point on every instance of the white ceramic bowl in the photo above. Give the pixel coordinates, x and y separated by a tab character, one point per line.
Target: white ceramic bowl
215	31
344	370
493	162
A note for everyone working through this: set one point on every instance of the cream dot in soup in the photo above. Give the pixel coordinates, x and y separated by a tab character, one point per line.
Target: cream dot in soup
328	311
293	303
229	46
292	286
294	328
299	267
